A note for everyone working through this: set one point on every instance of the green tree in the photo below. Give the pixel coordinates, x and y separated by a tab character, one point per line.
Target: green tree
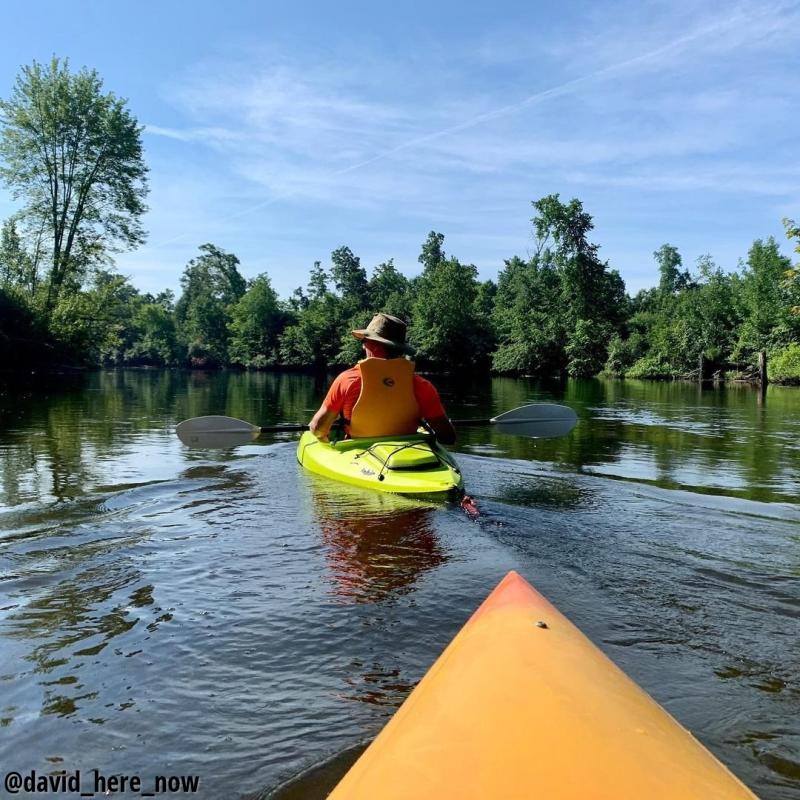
154	341
589	290
432	252
317	282
116	301
560	310
586	348
528	318
74	155
793	273
350	278
15	263
765	301
257	321
314	339
448	328
672	278
390	291
211	285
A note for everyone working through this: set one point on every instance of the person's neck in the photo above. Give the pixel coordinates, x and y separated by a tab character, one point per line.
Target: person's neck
375	351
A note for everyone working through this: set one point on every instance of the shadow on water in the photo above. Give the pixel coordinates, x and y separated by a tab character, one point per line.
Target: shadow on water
315	782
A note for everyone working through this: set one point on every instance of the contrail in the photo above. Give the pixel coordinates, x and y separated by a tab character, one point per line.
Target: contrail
533	99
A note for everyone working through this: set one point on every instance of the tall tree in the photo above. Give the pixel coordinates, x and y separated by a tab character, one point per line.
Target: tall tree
317	283
15	264
350	278
74	155
562	309
672	277
257	320
793	273
211	285
589	290
449	328
389	290
432	252
764	299
529	319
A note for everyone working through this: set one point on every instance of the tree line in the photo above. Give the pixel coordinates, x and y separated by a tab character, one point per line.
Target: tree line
73	156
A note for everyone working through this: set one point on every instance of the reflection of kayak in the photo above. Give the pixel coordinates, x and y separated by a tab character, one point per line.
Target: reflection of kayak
376	545
522	705
414	465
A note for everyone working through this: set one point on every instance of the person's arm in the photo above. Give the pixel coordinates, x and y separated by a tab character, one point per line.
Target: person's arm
322	421
443	429
330	409
432	411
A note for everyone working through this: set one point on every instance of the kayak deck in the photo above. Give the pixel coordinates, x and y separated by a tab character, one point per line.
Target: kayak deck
522	705
412	465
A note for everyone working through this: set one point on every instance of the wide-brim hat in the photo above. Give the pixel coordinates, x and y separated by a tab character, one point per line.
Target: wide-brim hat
386	329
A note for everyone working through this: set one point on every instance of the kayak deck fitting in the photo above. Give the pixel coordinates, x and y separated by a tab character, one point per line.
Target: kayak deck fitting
412	465
522	706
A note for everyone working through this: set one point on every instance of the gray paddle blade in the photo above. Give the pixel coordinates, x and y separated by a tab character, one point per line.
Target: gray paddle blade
538	420
216	432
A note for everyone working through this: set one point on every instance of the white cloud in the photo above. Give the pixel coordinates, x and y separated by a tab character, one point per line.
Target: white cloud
651	98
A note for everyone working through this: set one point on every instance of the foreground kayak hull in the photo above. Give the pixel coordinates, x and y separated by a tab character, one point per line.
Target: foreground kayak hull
522	705
408	465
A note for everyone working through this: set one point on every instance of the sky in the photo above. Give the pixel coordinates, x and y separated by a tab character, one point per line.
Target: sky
280	131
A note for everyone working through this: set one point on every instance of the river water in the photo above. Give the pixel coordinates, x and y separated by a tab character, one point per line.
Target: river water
166	611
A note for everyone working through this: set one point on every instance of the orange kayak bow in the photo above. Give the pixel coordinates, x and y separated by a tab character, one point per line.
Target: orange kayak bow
521	706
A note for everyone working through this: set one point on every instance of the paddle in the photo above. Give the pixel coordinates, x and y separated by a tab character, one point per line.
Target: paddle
538	420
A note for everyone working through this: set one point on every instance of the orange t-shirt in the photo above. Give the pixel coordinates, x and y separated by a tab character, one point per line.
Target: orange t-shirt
346	388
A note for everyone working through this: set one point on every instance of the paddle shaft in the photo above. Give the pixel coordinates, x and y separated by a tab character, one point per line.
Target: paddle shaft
538	420
296	427
280	428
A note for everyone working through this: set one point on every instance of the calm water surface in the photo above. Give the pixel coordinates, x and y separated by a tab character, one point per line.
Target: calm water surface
223	614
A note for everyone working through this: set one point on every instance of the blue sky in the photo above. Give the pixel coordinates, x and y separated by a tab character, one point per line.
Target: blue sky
281	131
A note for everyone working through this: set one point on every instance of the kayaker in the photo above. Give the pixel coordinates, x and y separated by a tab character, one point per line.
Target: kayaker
381	395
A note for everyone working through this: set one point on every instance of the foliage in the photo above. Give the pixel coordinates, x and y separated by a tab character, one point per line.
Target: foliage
527	319
390	290
257	321
765	302
314	339
16	266
155	341
449	328
350	278
74	156
211	286
23	341
672	279
792	276
562	311
654	367
559	311
784	364
586	348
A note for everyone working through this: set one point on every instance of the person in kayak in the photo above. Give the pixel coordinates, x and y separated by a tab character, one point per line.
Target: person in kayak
381	395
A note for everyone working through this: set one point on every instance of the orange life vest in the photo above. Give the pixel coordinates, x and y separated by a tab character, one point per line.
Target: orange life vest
386	405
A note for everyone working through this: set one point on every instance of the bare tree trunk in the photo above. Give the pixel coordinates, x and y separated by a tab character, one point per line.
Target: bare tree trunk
762	370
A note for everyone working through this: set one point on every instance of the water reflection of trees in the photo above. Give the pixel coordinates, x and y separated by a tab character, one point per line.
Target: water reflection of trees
57	433
673	433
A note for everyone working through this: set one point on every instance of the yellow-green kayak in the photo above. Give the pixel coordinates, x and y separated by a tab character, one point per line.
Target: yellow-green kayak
412	465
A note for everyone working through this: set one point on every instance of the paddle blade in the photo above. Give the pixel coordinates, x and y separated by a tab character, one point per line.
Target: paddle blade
538	420
214	431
